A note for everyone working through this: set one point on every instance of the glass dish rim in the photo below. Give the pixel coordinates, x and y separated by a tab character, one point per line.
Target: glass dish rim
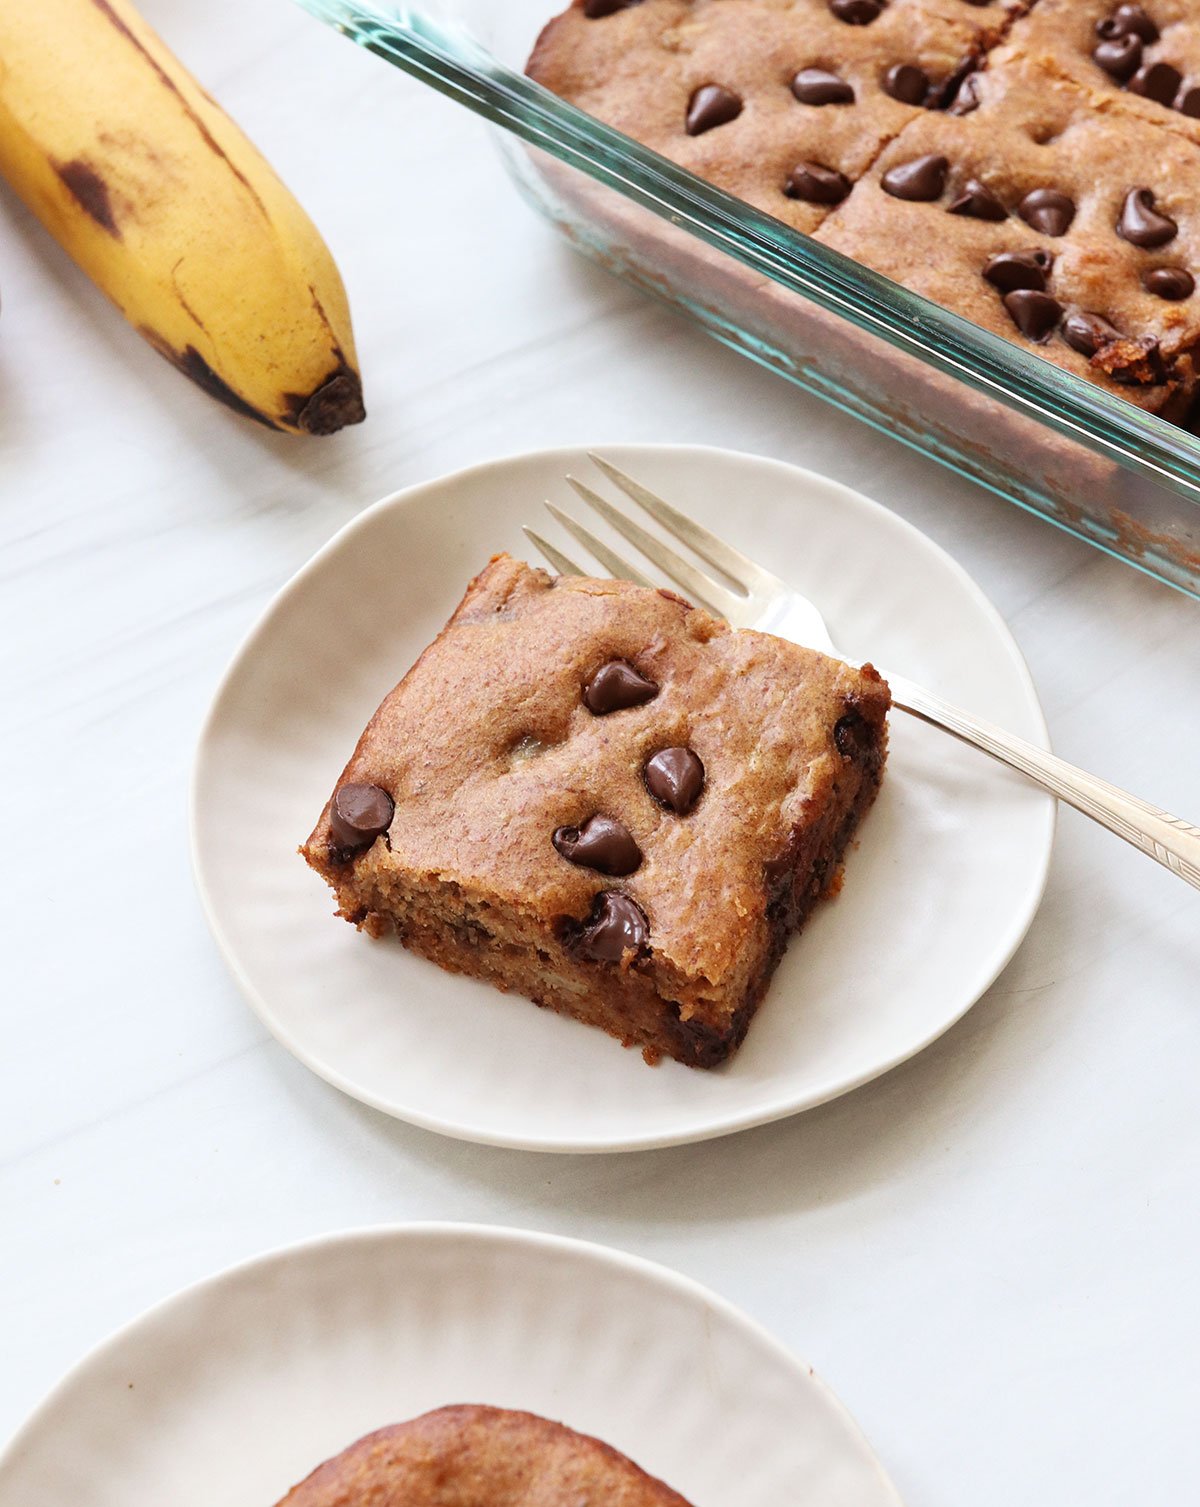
448	57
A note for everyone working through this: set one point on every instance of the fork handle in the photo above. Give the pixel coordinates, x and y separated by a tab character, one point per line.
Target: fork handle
1173	842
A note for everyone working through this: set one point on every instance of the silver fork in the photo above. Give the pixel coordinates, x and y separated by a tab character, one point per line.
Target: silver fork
761	600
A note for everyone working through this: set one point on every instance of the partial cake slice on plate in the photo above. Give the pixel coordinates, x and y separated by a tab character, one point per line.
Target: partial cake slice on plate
471	1456
601	797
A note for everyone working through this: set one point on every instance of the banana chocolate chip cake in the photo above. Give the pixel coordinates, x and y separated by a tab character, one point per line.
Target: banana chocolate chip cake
471	1456
1032	165
601	797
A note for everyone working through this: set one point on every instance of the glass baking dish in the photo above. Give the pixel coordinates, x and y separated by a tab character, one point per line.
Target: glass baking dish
1085	460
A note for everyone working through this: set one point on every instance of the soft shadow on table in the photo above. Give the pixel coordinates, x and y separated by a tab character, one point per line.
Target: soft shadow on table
830	1154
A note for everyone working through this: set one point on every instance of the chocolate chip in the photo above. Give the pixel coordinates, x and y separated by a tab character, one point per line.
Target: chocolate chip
852	737
921	180
675	778
856	12
1121	57
778	871
601	843
712	105
358	814
615	927
968	97
1047	210
1157	81
1009	270
1086	333
907	83
817	86
615	686
1141	223
1187	101
817	184
1128	20
979	202
1035	314
594	9
1172	283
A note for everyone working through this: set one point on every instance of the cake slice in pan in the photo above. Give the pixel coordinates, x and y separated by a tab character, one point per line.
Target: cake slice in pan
601	797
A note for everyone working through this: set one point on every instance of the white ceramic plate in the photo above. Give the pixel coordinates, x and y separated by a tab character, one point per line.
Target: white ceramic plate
236	1389
944	882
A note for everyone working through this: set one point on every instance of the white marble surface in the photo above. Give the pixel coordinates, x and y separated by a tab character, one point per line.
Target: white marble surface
990	1254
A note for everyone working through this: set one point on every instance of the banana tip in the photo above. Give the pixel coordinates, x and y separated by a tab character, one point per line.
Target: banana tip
337	403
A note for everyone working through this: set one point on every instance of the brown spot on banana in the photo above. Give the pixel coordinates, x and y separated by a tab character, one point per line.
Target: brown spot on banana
168	82
90	192
334	403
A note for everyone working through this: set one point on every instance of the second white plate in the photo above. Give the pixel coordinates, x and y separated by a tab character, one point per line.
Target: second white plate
947	875
229	1393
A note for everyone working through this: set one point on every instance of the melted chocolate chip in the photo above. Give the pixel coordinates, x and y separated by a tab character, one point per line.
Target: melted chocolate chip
615	927
1157	81
979	202
920	180
968	97
817	184
1172	283
1128	20
1010	270
1086	333
616	686
777	871
857	12
1047	210
601	844
907	83
594	9
712	105
1034	314
852	737
817	86
1141	224
1121	57
675	778
1187	101
358	815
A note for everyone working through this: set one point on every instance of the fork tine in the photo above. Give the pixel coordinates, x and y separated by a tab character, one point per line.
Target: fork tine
560	562
611	561
740	568
699	587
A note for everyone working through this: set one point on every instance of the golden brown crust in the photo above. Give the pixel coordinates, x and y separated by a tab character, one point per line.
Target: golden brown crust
487	748
637	70
1042	114
472	1456
1032	130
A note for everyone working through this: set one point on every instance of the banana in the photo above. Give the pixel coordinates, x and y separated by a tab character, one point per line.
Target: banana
172	212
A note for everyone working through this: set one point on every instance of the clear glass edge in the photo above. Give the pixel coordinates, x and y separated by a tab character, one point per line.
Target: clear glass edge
447	57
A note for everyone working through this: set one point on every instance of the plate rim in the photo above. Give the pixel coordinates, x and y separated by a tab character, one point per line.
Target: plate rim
765	1114
468	1231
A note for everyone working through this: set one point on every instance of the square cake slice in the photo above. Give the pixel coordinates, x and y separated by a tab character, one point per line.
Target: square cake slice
601	797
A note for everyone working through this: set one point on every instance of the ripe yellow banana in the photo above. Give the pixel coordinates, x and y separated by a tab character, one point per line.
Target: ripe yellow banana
170	210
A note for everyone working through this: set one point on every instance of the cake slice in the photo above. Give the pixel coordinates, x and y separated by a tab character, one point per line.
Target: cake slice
601	797
472	1456
784	105
1064	227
